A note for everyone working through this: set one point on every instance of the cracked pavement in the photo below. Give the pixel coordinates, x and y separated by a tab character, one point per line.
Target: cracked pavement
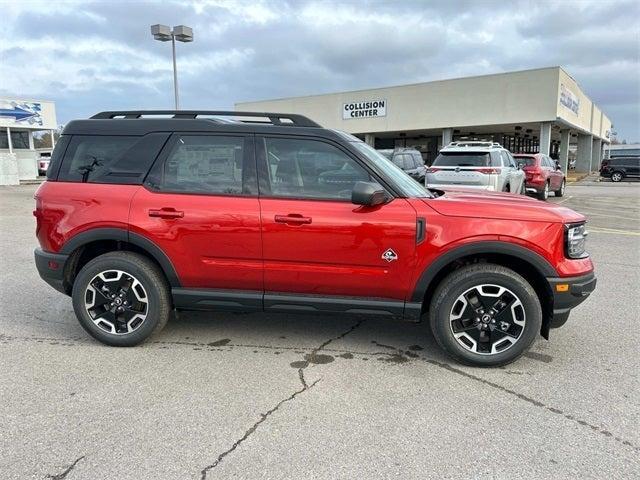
282	396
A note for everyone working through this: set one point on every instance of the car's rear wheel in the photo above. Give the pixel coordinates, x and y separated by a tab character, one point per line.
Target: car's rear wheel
485	315
121	298
617	176
560	191
544	193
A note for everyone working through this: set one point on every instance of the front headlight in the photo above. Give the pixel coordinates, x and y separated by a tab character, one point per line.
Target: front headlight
575	236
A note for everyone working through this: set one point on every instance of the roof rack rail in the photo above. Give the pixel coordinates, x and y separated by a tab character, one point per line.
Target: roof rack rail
287	119
474	143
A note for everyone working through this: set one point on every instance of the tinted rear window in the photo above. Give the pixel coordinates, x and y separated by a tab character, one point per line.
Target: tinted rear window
526	160
110	158
462	159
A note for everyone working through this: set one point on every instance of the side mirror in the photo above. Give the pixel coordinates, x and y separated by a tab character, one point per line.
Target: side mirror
520	165
368	194
558	166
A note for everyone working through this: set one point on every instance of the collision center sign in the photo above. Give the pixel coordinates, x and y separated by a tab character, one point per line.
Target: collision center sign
364	109
569	99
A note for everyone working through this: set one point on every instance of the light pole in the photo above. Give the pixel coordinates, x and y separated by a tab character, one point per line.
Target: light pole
180	33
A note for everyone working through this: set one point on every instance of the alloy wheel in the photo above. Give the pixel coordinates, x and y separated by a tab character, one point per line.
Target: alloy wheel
116	302
487	319
546	190
616	177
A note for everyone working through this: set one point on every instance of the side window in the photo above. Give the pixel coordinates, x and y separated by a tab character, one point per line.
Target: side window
506	160
496	161
202	164
398	160
303	168
418	160
110	158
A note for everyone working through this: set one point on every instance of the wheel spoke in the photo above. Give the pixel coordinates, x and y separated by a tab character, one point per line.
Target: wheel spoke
465	325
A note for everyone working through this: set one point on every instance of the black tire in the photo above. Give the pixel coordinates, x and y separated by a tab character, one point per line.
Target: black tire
560	191
460	281
156	298
507	188
544	194
617	176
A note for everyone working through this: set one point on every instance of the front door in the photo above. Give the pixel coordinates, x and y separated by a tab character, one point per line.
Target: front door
315	241
199	204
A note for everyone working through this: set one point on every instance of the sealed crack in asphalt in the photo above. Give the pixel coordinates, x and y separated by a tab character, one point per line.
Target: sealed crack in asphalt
533	402
264	416
399	356
63	475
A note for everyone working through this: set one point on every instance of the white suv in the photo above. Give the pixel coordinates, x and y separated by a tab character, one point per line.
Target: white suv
480	165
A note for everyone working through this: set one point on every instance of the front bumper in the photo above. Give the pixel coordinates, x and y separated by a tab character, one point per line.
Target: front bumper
51	268
568	293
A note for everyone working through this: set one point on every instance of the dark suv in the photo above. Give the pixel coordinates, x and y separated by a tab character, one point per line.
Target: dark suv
619	168
408	159
143	214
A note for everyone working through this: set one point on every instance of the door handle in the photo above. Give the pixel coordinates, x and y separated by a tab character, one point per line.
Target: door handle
292	218
165	213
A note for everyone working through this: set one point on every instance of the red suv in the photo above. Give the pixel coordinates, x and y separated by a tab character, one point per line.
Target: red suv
542	174
146	212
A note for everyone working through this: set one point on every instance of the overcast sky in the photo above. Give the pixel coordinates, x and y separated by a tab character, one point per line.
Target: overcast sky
92	56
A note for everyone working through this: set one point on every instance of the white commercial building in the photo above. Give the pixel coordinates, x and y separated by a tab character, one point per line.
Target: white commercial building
541	110
19	119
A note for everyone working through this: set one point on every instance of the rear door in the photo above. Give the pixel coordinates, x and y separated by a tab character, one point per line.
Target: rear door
555	175
199	204
315	241
516	175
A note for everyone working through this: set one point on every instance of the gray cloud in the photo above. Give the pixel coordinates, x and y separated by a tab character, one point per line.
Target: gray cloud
99	55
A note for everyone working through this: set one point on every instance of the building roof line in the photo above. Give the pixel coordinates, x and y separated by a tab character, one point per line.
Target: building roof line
404	85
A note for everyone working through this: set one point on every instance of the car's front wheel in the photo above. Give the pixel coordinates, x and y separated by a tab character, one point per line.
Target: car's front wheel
121	298
485	315
560	191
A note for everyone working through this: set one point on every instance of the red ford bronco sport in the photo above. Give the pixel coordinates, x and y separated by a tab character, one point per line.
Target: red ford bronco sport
145	212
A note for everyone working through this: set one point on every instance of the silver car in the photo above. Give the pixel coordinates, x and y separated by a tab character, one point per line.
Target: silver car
481	165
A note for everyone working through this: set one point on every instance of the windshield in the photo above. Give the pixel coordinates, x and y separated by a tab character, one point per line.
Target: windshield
462	159
409	186
527	160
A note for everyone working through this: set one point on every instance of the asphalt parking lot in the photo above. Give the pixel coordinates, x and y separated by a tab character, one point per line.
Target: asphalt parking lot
279	396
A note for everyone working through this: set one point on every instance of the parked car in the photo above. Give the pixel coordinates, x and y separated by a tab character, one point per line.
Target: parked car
619	168
409	160
542	174
478	165
43	164
146	212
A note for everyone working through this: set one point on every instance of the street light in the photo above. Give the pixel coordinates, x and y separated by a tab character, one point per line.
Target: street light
180	33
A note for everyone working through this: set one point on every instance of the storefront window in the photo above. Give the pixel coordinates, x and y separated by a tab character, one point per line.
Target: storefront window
19	140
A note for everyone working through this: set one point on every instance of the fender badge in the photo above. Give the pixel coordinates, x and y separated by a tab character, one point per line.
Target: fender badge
389	255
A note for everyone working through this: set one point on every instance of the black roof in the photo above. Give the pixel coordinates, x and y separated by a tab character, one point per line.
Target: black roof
141	122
